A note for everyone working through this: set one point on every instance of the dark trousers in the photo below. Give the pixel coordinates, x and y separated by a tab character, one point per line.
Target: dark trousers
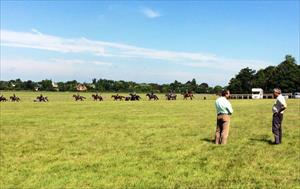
276	127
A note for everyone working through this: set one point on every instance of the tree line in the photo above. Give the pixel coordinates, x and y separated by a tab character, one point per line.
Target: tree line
105	85
285	76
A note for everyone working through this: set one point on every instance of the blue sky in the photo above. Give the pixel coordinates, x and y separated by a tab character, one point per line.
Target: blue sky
145	41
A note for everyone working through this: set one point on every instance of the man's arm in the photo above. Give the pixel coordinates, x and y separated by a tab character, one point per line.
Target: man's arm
283	106
229	108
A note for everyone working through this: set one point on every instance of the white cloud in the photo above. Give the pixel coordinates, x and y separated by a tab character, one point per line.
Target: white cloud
48	42
99	48
150	13
79	62
37	40
56	68
36	31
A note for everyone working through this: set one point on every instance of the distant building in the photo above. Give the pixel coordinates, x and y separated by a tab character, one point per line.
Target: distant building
55	86
81	87
257	93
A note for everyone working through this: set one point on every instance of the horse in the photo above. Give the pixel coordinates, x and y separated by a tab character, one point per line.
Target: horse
97	97
171	96
78	97
188	95
127	98
117	97
14	98
41	98
134	97
2	99
152	96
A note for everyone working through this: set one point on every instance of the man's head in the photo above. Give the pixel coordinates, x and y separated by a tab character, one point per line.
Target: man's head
226	93
276	92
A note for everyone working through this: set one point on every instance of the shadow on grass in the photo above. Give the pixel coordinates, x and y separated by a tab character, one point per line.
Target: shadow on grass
263	138
209	140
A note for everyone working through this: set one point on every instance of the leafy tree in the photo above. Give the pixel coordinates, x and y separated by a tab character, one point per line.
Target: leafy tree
217	89
29	85
18	84
94	81
288	75
202	88
193	85
243	81
71	85
4	85
285	76
46	85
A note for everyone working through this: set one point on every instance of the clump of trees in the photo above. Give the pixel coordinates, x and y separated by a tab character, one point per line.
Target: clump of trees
286	76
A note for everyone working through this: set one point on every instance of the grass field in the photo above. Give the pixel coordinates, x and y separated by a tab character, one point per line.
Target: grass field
163	144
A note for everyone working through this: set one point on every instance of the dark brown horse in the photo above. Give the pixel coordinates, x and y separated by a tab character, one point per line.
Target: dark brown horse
117	97
134	97
188	95
127	98
171	96
14	98
78	97
152	96
41	98
2	99
97	97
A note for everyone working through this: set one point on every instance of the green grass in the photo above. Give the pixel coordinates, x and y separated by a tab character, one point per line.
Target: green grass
163	144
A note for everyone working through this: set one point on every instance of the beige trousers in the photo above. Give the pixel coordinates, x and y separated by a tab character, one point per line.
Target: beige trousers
222	129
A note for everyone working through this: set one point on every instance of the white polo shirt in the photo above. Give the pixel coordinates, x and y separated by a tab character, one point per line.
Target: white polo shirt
279	103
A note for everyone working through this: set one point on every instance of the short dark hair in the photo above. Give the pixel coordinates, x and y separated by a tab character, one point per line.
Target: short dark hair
225	92
277	90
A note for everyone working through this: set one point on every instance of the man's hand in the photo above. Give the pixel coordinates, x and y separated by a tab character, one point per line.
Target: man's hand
283	108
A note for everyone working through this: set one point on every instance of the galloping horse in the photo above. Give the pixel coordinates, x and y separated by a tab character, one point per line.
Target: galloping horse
14	98
41	98
188	95
2	99
134	97
117	97
152	96
78	97
97	97
171	96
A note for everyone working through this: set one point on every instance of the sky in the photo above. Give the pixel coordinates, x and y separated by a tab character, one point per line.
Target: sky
145	41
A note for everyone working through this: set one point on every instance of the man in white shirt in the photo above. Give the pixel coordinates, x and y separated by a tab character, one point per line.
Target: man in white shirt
278	109
224	110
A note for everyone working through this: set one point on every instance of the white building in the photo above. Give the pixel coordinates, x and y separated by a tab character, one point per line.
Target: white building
257	93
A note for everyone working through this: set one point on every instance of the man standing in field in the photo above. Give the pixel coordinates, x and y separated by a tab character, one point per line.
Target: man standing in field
224	110
278	109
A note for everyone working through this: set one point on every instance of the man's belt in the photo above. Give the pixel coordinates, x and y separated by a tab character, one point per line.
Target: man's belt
222	114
